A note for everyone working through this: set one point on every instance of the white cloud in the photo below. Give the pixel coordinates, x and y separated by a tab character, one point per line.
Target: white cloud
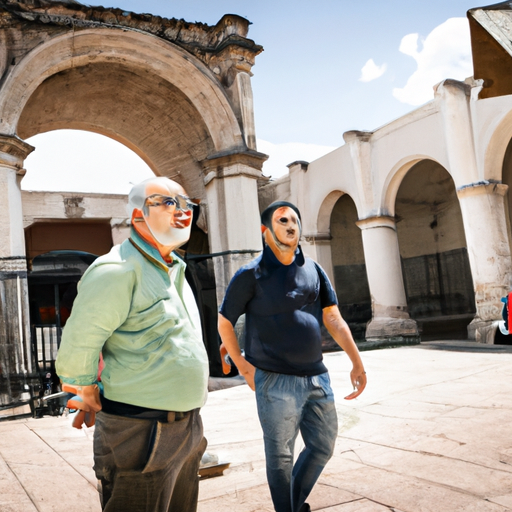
446	53
370	71
78	161
281	155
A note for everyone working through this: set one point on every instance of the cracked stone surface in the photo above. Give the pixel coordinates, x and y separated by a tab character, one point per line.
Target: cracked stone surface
431	433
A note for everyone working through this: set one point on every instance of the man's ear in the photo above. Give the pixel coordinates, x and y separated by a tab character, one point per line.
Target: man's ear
263	229
137	215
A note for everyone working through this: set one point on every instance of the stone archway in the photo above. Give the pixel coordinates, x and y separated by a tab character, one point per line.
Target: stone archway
435	264
176	93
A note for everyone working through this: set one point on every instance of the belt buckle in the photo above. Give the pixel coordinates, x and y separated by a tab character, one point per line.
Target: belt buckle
173	416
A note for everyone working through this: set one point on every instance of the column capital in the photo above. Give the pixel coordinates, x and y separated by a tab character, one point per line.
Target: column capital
233	163
298	165
356	135
482	187
13	151
452	87
380	221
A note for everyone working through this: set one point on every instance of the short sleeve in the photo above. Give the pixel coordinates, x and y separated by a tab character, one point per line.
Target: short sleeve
238	294
327	294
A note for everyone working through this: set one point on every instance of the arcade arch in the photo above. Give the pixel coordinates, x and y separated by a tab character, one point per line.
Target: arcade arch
181	100
349	268
433	250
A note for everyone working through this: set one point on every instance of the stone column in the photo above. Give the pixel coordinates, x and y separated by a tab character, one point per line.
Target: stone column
483	208
232	62
390	319
484	212
233	212
15	343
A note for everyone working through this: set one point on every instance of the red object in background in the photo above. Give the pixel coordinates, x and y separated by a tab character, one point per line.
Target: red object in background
47	314
509	311
101	365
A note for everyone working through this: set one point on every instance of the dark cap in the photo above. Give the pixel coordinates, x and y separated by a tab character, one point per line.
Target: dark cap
266	215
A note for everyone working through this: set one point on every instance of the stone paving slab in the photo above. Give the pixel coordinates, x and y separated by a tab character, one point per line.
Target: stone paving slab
431	433
51	483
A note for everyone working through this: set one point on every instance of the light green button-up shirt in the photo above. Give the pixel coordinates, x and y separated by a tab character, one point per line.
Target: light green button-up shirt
141	314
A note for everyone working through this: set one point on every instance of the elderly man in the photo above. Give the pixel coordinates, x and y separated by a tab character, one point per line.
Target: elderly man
285	297
136	309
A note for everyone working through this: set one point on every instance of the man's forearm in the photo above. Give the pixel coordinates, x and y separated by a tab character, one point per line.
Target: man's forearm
341	334
230	341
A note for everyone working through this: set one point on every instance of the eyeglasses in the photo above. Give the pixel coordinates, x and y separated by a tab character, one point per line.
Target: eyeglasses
179	202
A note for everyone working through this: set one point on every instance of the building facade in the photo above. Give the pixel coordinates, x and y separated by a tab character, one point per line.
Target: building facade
410	221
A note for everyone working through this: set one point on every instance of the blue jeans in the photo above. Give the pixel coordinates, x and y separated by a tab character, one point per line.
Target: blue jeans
288	404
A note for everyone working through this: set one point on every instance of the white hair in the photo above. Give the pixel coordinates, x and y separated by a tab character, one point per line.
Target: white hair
137	195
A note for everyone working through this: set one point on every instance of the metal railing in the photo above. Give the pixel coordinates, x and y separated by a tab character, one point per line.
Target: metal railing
45	343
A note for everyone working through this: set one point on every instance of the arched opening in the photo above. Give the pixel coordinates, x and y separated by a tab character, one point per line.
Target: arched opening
157	120
435	264
349	267
507	180
80	162
152	91
143	111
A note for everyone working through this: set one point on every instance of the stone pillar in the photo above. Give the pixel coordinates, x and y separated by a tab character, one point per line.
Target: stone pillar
15	343
233	212
454	101
483	208
484	212
390	319
232	61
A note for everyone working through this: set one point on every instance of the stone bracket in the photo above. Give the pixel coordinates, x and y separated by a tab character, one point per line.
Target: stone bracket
245	163
13	151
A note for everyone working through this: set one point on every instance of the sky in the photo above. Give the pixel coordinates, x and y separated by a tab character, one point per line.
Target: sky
328	66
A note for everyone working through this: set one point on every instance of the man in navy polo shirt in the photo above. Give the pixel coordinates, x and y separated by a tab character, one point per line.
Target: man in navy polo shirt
285	298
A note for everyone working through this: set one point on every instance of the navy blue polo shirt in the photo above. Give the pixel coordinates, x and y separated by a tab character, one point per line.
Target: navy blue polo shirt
283	307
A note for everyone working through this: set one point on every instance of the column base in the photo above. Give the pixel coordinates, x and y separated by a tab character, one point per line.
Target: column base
482	331
388	329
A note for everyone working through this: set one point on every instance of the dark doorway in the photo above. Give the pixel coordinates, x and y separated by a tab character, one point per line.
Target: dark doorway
350	279
435	262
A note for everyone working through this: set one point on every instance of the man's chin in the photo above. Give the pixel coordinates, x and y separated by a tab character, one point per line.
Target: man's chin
287	247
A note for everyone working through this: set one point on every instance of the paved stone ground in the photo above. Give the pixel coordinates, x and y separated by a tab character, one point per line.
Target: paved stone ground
431	433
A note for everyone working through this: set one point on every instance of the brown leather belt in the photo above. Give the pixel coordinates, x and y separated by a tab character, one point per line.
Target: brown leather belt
173	416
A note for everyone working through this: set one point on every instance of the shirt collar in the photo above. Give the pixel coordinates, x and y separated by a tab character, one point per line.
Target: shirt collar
270	258
152	254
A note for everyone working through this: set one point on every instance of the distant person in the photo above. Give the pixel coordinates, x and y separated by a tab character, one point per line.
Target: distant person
285	298
135	308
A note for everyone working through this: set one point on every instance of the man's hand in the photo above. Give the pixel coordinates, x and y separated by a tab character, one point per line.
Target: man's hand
358	378
231	346
340	331
86	400
247	370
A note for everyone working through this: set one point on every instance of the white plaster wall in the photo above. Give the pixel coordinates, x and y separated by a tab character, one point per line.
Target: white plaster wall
395	148
492	118
43	206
